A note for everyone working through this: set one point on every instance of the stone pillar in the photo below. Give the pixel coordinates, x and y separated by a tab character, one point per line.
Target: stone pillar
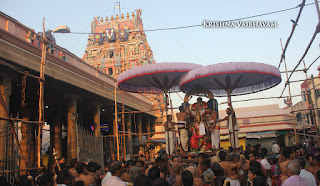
5	92
96	119
140	128
71	129
58	138
148	127
129	144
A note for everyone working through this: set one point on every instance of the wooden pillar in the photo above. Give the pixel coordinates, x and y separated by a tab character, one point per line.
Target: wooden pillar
129	144
25	142
71	129
96	119
140	128
5	92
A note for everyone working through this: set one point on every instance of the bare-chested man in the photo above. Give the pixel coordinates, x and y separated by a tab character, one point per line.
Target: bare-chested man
230	167
287	155
311	160
177	172
73	171
215	129
182	128
169	128
81	168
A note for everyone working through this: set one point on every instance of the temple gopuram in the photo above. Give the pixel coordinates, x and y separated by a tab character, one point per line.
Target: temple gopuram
118	44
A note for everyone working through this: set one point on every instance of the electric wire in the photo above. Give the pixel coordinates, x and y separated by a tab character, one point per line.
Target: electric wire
198	25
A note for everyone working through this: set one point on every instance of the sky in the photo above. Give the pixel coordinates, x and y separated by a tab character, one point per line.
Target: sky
199	45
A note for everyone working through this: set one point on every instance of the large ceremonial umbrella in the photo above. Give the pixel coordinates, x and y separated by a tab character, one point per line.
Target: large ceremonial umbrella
155	78
232	78
228	79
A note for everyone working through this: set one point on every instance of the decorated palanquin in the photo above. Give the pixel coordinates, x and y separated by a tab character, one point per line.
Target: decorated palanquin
118	44
199	120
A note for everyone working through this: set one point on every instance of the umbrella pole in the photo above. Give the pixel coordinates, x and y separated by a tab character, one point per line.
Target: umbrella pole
166	95
234	136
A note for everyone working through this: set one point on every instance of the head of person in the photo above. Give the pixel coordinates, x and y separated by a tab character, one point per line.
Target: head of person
208	177
222	155
64	177
259	181
181	109
221	180
161	164
293	168
311	159
192	170
73	163
199	99
62	160
91	167
230	149
201	157
142	180
81	168
301	161
175	159
264	152
255	164
217	169
286	152
254	155
79	183
254	172
273	160
187	178
134	172
234	157
228	111
205	164
116	168
160	182
154	173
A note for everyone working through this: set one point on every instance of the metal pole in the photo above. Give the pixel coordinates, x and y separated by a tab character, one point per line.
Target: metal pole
116	118
317	8
316	104
41	92
291	106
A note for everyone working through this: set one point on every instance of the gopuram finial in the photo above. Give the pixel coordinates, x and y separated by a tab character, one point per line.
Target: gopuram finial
112	18
107	19
132	14
122	16
117	17
128	15
101	20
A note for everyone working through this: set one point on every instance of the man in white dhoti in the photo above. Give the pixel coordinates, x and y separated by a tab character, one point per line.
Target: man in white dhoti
169	133
233	127
182	128
215	129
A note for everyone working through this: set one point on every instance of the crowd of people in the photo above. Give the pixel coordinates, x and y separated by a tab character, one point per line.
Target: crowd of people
254	166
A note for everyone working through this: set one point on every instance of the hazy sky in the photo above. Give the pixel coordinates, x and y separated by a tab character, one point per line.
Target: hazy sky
197	45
